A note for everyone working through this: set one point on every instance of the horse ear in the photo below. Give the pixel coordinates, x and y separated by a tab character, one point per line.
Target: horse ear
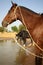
12	2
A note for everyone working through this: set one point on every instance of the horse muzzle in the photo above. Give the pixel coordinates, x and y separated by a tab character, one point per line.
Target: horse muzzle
5	23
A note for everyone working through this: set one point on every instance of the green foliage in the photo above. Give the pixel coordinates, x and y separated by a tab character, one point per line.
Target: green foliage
22	27
14	28
1	29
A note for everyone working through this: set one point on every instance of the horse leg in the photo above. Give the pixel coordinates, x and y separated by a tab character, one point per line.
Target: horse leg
38	60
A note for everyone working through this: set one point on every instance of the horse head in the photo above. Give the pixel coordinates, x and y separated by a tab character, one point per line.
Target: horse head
11	16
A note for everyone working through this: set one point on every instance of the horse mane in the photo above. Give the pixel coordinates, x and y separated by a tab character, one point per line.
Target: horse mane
29	10
42	14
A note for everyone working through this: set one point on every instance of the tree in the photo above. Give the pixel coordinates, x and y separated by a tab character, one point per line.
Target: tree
22	27
1	29
14	28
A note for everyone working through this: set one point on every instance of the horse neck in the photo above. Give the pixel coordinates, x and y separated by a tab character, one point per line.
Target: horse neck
29	18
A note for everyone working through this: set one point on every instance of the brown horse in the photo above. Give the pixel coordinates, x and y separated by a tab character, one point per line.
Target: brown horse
33	21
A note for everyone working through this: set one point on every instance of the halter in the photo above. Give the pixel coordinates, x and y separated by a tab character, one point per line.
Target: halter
14	15
25	25
15	12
